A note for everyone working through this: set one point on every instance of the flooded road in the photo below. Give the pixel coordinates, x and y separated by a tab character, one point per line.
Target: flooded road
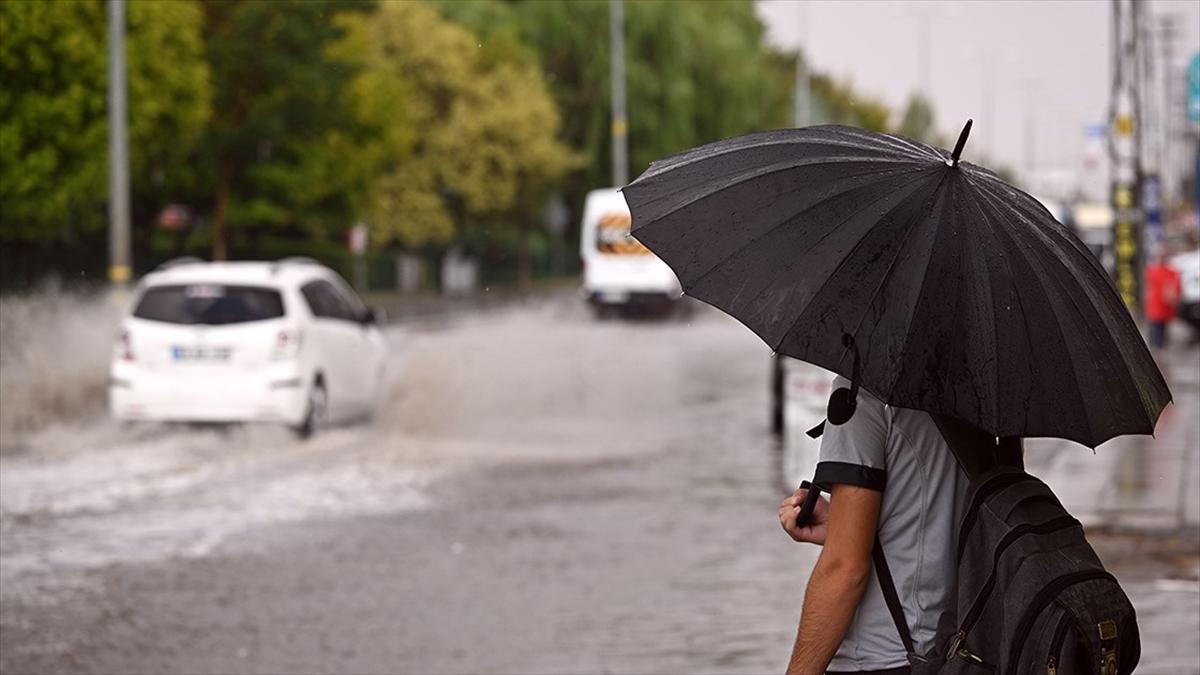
540	493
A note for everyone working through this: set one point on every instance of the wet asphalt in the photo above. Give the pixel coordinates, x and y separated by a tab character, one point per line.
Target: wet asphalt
541	492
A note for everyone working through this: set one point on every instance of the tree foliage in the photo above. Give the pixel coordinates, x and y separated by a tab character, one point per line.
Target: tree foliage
695	72
279	126
53	110
475	137
918	121
435	121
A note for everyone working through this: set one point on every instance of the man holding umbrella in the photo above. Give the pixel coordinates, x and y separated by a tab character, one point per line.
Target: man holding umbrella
846	625
956	310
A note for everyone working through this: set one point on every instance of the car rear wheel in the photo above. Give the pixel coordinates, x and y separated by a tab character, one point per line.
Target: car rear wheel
315	410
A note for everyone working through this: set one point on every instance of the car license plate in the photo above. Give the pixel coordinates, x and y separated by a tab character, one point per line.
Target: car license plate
188	353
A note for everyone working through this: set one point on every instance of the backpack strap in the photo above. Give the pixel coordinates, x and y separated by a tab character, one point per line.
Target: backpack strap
888	586
882	572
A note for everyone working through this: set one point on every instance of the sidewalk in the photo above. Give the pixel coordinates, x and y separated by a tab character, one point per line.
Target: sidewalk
1136	483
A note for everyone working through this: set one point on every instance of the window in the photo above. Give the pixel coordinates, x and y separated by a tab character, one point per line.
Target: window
350	298
209	304
325	302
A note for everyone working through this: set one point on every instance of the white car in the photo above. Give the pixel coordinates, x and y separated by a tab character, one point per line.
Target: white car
1188	266
286	342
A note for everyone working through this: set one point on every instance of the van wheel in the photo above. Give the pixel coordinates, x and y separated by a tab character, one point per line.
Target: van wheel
602	311
315	411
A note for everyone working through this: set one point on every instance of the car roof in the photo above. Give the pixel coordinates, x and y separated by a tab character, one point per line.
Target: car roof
256	273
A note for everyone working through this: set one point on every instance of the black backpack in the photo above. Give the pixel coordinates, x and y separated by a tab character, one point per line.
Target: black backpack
1032	596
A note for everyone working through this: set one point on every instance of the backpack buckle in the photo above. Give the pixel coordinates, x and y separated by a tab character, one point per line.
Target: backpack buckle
1108	647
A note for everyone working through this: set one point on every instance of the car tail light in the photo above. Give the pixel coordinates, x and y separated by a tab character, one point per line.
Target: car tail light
125	346
287	345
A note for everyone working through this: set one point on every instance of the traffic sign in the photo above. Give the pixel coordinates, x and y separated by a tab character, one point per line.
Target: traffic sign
356	239
1193	98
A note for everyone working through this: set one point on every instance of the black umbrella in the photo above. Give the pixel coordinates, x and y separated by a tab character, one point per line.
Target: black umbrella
960	294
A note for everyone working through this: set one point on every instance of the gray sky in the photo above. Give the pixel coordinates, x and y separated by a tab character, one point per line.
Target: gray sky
1051	52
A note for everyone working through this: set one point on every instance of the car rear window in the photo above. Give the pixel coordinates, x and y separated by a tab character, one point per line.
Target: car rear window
209	304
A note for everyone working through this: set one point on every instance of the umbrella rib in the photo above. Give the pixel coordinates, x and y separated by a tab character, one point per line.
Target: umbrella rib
774	168
695	155
693	283
912	223
894	141
1015	248
923	287
1095	314
883	281
983	215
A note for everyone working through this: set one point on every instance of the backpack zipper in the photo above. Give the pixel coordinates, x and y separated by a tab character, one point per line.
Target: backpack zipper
1045	597
991	485
1056	643
1053	525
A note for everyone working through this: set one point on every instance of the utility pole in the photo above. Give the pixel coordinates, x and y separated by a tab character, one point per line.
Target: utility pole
1125	151
988	81
1169	33
802	110
923	13
1029	129
620	124
119	270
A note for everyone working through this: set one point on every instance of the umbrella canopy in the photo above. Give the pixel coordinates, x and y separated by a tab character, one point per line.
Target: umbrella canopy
963	295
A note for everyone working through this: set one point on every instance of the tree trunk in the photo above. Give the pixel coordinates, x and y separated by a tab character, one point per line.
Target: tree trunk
524	261
220	208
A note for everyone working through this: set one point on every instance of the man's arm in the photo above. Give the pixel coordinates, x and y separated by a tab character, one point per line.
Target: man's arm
839	579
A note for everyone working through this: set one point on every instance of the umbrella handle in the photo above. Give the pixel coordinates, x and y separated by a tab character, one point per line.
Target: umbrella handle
810	503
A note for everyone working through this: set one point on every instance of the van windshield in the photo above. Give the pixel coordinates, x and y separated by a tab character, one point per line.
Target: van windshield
612	235
209	304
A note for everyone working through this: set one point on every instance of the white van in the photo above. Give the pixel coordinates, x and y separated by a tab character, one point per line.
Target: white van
618	271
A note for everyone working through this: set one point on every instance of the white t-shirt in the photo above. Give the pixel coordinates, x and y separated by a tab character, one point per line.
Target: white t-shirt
901	449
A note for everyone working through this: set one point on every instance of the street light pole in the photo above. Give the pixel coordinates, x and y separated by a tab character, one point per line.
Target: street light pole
802	110
923	84
1125	151
118	150
620	125
1030	130
1169	34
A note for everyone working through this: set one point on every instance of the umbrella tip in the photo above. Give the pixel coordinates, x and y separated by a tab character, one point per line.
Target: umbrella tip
962	140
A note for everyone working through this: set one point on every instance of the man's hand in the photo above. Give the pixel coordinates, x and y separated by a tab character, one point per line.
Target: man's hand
814	532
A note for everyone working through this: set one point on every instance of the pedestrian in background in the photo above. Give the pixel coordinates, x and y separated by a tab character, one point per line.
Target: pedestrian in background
1162	297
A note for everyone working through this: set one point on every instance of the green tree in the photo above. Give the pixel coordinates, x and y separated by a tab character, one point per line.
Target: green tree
695	72
838	103
53	114
486	145
918	120
279	136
